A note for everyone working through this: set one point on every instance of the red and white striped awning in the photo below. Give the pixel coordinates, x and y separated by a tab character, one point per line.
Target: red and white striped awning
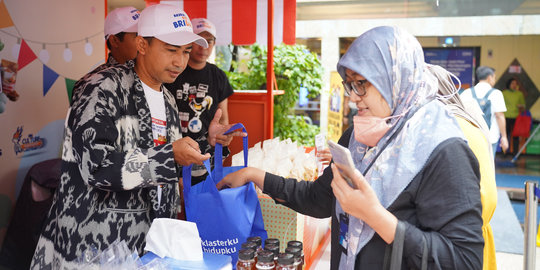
244	22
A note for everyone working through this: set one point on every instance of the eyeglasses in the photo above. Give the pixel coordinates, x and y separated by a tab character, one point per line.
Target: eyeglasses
359	87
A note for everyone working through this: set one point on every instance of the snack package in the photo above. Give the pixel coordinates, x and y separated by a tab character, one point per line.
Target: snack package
284	158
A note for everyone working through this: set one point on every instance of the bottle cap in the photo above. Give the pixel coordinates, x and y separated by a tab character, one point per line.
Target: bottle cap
273	248
255	239
294	251
265	256
294	243
285	259
250	245
271	241
246	254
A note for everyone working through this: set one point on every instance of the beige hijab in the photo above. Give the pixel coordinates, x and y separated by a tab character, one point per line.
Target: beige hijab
448	94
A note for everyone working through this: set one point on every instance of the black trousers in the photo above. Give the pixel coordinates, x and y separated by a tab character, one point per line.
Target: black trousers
510	122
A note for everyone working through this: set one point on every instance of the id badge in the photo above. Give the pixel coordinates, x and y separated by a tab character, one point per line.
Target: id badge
343	230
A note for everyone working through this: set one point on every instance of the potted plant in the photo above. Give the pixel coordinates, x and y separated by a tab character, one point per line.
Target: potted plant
294	67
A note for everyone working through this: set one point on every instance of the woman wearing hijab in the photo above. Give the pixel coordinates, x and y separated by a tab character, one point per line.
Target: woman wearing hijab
415	199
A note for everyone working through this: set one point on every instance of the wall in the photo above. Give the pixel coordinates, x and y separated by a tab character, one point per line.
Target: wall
43	28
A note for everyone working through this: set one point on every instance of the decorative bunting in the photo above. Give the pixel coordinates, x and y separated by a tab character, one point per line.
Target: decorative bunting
5	19
26	55
243	22
49	77
69	87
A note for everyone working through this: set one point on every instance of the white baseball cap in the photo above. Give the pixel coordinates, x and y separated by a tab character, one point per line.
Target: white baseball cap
169	24
122	19
201	24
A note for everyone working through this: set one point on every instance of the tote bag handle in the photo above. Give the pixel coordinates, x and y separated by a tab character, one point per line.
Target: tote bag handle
218	162
218	171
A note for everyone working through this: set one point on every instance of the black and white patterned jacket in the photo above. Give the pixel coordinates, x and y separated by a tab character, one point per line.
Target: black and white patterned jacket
110	171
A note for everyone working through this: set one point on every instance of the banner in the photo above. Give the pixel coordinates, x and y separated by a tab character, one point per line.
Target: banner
460	61
335	108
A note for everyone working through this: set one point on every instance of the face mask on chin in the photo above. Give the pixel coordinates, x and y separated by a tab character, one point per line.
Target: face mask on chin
370	129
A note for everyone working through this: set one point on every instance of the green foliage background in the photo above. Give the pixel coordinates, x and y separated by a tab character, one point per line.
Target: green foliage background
294	67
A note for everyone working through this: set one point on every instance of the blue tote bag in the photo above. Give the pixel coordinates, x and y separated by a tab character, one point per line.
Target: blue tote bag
225	218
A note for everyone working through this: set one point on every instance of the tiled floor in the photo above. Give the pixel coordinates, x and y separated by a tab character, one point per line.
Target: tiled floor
524	165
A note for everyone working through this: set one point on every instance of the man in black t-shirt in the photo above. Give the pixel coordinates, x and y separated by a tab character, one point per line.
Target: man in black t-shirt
199	91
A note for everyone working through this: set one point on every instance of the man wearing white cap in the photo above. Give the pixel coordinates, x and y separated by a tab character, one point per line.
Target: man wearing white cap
122	148
120	33
200	90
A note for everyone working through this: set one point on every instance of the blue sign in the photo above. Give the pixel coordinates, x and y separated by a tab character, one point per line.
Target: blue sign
459	61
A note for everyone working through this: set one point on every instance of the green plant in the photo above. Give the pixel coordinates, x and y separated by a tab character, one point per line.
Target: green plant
294	67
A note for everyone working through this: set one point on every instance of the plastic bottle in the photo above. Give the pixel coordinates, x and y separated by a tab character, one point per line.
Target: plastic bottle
246	260
285	262
296	252
266	260
274	249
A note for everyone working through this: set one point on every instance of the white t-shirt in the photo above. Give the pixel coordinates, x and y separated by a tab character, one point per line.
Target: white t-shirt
497	105
156	102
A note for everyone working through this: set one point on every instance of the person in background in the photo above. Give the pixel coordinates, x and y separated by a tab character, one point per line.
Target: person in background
120	33
471	121
199	91
415	184
123	147
515	104
497	130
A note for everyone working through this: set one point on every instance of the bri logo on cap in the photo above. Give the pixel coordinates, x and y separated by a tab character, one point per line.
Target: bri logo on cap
184	21
203	24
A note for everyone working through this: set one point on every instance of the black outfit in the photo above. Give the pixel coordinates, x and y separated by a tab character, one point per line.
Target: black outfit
442	203
198	94
510	123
